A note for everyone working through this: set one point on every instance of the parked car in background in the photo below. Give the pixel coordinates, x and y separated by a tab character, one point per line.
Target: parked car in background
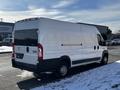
7	42
115	42
108	42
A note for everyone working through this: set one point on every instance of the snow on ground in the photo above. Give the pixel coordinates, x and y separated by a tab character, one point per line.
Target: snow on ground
102	78
5	49
25	74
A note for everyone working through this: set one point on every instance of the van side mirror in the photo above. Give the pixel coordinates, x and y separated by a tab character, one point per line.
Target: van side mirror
101	40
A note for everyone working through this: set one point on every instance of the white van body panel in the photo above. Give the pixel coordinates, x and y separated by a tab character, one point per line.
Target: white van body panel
26	25
32	56
60	38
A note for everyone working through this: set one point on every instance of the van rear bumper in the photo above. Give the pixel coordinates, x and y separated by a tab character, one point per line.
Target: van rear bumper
24	66
43	66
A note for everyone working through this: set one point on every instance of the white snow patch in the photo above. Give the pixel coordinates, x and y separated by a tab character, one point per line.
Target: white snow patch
118	61
6	68
25	74
102	78
5	49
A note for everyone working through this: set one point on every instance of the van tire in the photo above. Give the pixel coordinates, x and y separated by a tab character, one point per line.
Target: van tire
62	71
104	60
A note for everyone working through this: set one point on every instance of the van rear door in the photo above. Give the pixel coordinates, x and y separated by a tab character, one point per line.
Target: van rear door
25	46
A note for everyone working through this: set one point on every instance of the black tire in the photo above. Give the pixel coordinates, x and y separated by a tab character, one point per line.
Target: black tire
62	71
104	60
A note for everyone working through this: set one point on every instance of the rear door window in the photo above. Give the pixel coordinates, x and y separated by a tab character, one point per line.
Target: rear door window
26	37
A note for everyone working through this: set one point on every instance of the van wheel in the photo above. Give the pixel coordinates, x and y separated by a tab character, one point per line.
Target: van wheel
62	71
104	60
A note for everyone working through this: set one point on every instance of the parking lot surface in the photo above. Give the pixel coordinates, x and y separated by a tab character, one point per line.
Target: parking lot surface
15	79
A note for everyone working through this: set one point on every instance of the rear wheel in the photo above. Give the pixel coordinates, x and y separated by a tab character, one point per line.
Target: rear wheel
62	71
104	60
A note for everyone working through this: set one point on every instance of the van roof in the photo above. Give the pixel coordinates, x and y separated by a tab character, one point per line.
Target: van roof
38	18
28	19
42	19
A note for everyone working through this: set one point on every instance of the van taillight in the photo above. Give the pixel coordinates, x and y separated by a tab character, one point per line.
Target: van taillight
40	52
13	52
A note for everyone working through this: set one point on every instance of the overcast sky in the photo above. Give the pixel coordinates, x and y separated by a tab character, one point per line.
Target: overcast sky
104	12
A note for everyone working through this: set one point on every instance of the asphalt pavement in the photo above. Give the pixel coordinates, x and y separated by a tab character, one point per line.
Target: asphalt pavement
15	79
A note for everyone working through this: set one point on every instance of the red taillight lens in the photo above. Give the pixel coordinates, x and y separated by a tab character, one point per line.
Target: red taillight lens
40	52
13	52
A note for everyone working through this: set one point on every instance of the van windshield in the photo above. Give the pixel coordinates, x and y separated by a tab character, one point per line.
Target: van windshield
26	37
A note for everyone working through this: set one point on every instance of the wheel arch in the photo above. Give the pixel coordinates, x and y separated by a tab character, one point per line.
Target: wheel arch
66	59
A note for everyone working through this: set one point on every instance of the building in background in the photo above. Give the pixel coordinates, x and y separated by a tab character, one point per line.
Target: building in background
6	33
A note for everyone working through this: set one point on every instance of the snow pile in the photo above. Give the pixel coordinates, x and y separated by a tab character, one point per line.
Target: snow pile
102	78
5	49
25	74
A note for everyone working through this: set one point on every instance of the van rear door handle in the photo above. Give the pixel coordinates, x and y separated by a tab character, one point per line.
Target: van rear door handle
27	49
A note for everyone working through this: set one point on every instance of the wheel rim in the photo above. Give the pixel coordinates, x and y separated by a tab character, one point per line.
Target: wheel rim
63	70
105	60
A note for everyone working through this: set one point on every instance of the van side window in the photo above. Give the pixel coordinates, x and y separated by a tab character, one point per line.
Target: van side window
100	39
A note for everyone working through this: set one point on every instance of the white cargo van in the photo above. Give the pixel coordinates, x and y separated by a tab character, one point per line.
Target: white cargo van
42	45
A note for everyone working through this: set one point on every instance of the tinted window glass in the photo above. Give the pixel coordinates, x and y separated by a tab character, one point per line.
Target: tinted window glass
100	39
26	37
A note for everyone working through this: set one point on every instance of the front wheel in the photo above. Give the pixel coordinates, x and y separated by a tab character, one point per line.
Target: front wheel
104	60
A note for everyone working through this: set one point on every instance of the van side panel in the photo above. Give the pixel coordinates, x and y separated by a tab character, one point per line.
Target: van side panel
74	40
58	38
